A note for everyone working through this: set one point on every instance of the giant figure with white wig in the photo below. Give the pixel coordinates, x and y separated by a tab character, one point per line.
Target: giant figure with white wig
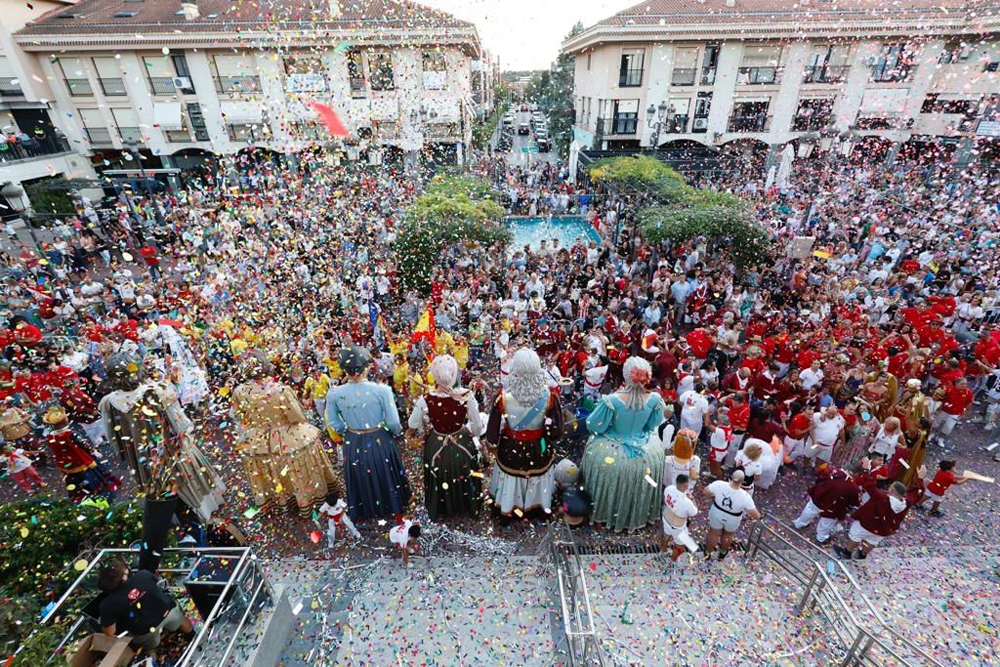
526	422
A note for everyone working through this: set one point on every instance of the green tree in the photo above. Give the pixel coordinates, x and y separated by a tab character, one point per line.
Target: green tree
52	197
454	208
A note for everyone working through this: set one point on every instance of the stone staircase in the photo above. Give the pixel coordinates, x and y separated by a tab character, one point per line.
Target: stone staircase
650	611
465	609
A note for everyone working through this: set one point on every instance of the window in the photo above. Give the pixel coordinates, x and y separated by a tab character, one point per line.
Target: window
356	73
682	111
235	75
435	71
590	57
160	72
934	104
710	64
75	76
813	114
827	64
684	67
630	70
125	15
181	67
304	75
244	132
954	52
626	117
759	66
380	68
893	63
749	116
109	76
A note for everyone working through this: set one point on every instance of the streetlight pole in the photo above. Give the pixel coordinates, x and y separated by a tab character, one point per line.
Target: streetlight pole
656	118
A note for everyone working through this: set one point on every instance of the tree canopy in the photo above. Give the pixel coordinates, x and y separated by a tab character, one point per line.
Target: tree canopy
453	208
681	212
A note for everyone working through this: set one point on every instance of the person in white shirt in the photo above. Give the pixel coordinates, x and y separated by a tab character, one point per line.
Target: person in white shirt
811	376
694	407
827	430
729	505
678	508
336	515
593	376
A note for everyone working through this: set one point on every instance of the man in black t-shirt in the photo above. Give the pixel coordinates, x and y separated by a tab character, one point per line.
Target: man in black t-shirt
136	605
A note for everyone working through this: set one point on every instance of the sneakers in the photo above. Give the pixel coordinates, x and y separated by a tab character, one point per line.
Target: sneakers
678	552
936	513
723	554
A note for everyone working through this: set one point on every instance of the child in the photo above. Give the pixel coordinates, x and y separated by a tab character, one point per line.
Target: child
937	486
336	514
22	469
405	536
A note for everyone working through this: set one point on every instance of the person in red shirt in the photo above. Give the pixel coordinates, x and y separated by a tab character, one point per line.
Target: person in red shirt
149	255
955	401
701	342
937	487
128	328
878	517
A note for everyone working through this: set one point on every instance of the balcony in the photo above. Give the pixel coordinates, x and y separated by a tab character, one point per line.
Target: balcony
678	125
358	86
99	137
130	135
755	123
79	87
825	74
885	121
442	131
683	76
11	151
181	136
811	122
623	125
237	85
886	73
9	87
630	78
708	76
162	85
113	87
758	76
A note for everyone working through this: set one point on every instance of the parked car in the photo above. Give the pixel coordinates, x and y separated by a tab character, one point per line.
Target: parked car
524	107
524	128
543	141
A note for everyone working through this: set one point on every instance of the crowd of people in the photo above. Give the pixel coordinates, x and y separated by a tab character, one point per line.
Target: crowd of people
590	379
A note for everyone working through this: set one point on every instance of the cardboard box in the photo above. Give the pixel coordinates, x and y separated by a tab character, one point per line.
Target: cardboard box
102	650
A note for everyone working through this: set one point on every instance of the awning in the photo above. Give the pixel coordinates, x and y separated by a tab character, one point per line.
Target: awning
238	113
168	115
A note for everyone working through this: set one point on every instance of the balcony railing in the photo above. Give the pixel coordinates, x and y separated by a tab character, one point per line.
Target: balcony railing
757	123
758	76
181	136
683	76
32	148
619	125
162	85
810	123
677	126
630	78
99	136
825	74
78	87
130	135
885	121
9	87
708	76
886	73
113	87
237	85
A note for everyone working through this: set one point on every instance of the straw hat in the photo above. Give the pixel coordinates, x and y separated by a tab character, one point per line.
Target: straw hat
14	424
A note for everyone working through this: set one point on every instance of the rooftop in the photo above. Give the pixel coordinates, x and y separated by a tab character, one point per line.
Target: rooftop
788	18
106	17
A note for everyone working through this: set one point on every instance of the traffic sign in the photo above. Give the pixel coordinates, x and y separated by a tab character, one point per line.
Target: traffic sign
529	149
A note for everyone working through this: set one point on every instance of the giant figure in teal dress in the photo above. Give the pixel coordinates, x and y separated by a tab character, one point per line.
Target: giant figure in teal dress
622	464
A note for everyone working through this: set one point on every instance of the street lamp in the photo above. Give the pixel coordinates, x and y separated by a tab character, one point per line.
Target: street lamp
657	118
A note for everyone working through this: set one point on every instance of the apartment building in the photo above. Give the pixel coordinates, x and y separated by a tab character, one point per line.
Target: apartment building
813	72
33	144
176	83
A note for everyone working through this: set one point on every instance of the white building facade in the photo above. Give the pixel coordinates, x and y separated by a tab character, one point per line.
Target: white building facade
768	71
33	143
171	81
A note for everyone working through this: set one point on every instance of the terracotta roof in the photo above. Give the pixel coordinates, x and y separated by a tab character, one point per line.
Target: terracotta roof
665	12
161	16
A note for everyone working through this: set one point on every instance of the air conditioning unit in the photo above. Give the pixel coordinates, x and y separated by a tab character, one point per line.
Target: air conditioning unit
182	82
701	123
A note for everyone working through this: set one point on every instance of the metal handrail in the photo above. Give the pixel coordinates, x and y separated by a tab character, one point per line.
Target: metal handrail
578	615
186	656
822	587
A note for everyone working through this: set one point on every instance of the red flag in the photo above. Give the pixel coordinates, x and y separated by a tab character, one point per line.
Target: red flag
330	119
